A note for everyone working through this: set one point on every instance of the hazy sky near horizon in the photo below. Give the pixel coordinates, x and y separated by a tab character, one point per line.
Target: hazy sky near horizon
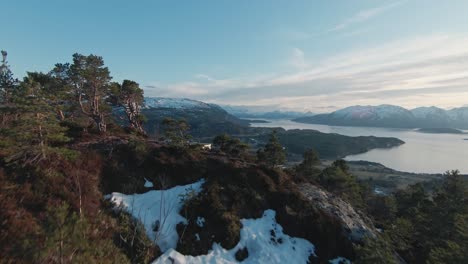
292	55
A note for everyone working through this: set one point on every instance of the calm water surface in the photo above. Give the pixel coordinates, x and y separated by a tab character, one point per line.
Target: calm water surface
422	153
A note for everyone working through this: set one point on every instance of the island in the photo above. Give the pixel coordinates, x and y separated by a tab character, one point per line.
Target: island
256	121
440	131
329	146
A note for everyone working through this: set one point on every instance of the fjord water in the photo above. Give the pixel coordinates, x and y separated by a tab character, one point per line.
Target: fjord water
421	153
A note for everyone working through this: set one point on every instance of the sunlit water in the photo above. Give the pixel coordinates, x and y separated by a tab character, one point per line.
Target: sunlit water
421	153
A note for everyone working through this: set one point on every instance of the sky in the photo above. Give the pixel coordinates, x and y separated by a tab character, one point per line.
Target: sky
300	55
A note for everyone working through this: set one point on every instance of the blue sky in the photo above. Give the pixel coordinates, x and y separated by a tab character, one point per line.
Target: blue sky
270	54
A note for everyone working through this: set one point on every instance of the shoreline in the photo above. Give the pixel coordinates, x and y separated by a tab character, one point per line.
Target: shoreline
388	179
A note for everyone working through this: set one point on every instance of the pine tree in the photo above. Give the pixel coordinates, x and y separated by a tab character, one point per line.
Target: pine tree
65	236
375	250
8	85
450	252
438	223
176	131
133	239
273	153
308	166
449	221
35	132
231	146
89	80
7	81
339	180
130	97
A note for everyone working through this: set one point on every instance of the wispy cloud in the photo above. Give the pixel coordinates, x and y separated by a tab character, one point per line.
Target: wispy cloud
364	15
429	70
297	59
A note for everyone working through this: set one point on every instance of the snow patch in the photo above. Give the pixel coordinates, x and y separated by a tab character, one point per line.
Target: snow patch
197	237
148	184
158	210
427	112
264	240
176	103
200	221
372	112
458	113
339	260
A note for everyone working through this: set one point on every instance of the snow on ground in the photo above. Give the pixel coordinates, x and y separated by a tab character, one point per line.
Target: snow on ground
158	209
264	239
339	260
148	184
200	221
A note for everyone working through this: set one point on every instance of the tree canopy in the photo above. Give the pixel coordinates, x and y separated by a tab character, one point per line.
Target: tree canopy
273	153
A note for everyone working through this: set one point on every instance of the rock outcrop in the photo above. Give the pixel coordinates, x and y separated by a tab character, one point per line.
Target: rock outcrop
354	226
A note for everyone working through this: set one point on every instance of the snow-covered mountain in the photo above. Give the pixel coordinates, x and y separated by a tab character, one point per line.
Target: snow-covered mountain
432	117
204	119
428	112
237	111
393	116
176	103
458	114
372	112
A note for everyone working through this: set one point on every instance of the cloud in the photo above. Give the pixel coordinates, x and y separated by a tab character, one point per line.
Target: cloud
203	76
297	59
428	70
363	16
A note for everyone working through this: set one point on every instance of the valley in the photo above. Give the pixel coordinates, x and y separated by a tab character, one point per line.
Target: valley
208	120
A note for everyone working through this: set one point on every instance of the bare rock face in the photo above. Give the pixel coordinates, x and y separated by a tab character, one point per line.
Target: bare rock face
353	224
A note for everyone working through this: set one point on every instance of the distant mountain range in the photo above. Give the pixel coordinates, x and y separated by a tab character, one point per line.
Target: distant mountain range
393	116
260	113
209	120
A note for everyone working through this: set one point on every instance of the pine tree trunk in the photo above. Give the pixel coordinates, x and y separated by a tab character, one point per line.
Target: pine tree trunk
61	115
132	111
61	247
101	123
41	138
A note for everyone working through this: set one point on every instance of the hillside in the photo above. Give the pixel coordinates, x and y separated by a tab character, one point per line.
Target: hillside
205	120
245	193
393	117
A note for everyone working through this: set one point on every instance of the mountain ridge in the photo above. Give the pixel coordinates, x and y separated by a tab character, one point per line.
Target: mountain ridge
258	112
205	119
392	116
